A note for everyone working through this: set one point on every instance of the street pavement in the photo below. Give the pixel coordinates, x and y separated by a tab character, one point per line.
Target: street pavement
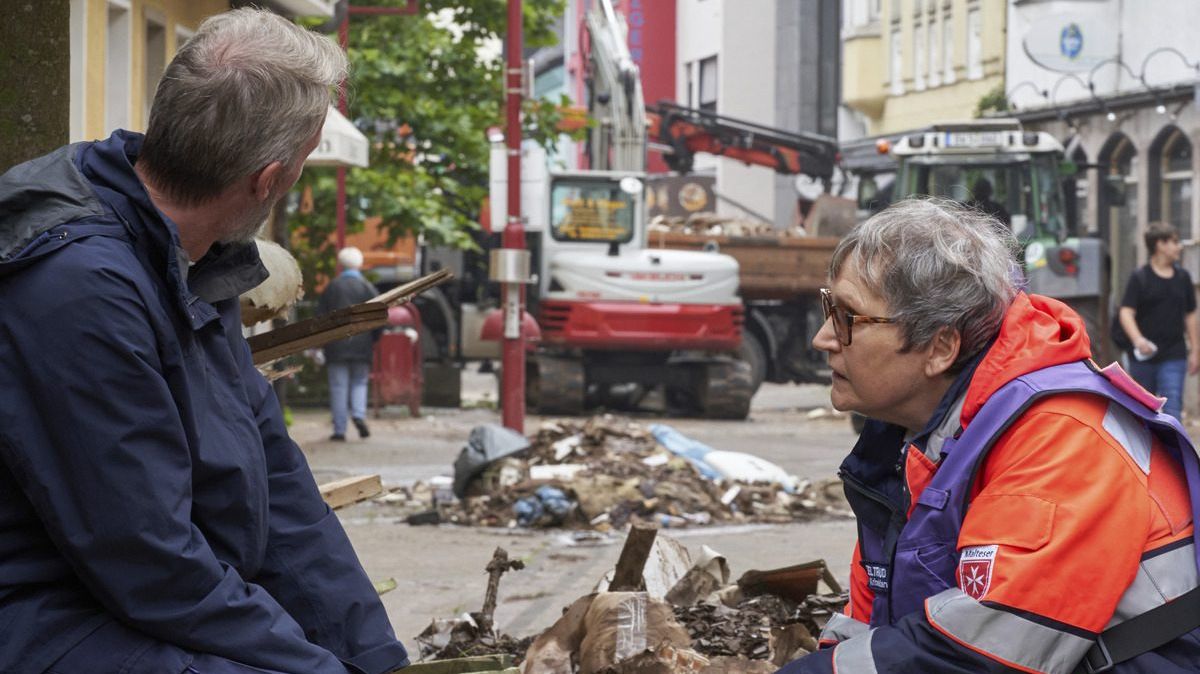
439	569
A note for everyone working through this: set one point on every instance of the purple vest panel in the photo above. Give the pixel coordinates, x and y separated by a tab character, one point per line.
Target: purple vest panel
926	550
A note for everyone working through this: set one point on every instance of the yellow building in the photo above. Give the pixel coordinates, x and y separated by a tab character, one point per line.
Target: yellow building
119	49
910	63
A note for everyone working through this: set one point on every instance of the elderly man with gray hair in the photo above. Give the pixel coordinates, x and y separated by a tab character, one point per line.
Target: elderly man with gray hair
154	514
1019	508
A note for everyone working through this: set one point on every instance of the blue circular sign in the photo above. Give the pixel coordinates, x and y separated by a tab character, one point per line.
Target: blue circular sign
1070	41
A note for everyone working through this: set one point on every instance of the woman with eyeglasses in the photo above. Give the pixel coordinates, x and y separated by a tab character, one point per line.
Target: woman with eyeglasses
1019	508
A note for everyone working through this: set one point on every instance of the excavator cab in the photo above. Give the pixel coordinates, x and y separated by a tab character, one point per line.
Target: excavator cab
591	209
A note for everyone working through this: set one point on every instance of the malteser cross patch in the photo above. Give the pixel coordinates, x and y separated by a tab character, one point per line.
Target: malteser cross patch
975	569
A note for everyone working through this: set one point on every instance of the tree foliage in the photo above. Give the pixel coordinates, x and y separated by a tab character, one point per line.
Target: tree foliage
424	89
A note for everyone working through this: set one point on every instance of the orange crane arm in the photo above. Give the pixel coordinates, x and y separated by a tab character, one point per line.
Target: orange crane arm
682	132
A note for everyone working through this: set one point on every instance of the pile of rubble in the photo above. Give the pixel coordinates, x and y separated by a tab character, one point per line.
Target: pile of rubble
659	612
607	473
711	224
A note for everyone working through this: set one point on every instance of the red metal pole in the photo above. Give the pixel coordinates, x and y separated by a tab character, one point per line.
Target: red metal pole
512	378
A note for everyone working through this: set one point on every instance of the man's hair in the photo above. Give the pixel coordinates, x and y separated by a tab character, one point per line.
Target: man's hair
250	88
1158	231
937	264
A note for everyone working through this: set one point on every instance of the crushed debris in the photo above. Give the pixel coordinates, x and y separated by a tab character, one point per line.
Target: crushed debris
659	613
607	473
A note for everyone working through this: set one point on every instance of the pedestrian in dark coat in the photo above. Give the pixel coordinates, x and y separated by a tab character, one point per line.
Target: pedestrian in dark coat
348	361
155	517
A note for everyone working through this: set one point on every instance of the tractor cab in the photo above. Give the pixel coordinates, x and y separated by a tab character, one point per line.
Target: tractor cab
1018	177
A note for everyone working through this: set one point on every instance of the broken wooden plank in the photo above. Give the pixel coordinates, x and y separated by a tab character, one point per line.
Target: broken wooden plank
632	562
346	322
318	331
795	582
402	293
351	490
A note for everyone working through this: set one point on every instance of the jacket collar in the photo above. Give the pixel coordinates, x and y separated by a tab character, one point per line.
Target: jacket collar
880	449
225	272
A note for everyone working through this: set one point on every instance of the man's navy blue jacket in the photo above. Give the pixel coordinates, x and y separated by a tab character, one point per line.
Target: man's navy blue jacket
146	476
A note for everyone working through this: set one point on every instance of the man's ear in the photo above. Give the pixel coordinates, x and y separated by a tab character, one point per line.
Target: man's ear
943	351
264	181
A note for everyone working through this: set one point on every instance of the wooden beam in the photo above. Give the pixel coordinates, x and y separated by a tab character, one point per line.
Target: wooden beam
318	331
352	320
351	490
403	293
632	563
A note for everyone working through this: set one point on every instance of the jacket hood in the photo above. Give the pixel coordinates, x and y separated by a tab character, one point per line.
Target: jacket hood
1037	332
97	181
39	195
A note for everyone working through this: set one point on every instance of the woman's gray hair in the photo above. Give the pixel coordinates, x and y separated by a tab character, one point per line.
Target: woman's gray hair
937	264
248	89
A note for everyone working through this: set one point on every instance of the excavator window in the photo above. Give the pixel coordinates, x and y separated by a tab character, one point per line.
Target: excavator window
590	210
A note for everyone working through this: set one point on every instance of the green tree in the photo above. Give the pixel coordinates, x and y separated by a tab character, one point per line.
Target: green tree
424	96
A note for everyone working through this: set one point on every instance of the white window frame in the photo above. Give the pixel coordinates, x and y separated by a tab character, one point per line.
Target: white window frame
948	75
974	43
1181	176
897	61
934	37
703	91
918	51
155	17
79	42
118	65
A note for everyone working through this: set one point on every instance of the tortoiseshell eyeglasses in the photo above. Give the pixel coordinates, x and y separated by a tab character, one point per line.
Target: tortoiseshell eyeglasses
843	321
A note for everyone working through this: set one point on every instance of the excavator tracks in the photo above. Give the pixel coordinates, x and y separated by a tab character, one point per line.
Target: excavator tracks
726	390
562	387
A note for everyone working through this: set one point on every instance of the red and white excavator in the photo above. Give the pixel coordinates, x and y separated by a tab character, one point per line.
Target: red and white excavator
619	319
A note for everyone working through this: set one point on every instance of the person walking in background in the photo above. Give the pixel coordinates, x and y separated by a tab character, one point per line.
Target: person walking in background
1159	303
348	361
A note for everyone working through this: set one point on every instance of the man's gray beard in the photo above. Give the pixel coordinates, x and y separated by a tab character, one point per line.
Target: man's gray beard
250	224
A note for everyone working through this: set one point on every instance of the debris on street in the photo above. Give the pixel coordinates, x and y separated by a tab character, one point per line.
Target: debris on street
607	473
474	634
660	612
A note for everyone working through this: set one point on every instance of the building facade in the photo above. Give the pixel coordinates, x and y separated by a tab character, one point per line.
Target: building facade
120	48
770	62
909	63
1117	85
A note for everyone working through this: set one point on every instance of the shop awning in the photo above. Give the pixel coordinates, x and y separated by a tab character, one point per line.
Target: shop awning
341	143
